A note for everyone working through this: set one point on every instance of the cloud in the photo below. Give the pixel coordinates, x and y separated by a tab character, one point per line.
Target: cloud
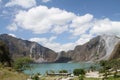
45	1
81	24
41	19
22	3
49	42
12	27
60	29
83	39
13	35
81	20
106	26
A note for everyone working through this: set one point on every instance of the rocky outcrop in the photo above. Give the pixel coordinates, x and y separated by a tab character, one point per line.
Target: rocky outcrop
102	47
20	48
116	52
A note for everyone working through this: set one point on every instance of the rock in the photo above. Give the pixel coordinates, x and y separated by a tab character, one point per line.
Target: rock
21	48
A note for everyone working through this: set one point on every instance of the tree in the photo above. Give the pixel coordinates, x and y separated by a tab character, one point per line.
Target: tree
5	57
78	72
63	71
36	76
92	68
81	77
22	64
105	68
115	65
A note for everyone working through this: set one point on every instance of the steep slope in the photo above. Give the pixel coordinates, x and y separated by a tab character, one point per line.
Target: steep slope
20	48
102	47
116	52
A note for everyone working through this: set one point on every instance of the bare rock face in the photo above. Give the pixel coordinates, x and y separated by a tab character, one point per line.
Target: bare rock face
20	48
116	52
102	47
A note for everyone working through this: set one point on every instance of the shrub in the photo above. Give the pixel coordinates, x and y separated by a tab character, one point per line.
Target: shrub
5	58
81	77
78	72
22	64
63	71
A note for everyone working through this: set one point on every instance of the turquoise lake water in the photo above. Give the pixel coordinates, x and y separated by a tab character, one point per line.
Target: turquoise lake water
42	68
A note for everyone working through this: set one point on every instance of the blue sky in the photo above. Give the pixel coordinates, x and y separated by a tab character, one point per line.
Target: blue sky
59	24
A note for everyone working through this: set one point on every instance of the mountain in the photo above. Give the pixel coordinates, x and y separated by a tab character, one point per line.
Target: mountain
19	48
104	47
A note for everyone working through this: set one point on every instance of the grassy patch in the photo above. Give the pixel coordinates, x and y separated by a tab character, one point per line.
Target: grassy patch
9	74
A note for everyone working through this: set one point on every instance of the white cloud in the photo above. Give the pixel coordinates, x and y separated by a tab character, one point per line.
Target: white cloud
81	24
52	38
40	40
49	42
13	35
12	27
60	29
45	1
97	27
42	19
81	20
22	3
82	29
83	39
106	26
43	40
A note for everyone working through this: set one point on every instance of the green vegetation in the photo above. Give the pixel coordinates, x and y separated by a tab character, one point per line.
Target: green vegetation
110	68
115	66
52	71
12	70
36	76
5	58
92	68
105	69
78	72
22	64
81	77
8	73
9	68
63	71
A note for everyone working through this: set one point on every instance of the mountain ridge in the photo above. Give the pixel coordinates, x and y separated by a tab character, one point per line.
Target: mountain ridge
102	47
19	48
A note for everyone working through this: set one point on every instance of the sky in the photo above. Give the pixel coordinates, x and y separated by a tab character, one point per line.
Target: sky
59	24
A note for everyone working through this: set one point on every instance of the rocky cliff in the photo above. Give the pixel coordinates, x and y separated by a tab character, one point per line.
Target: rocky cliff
102	47
20	48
